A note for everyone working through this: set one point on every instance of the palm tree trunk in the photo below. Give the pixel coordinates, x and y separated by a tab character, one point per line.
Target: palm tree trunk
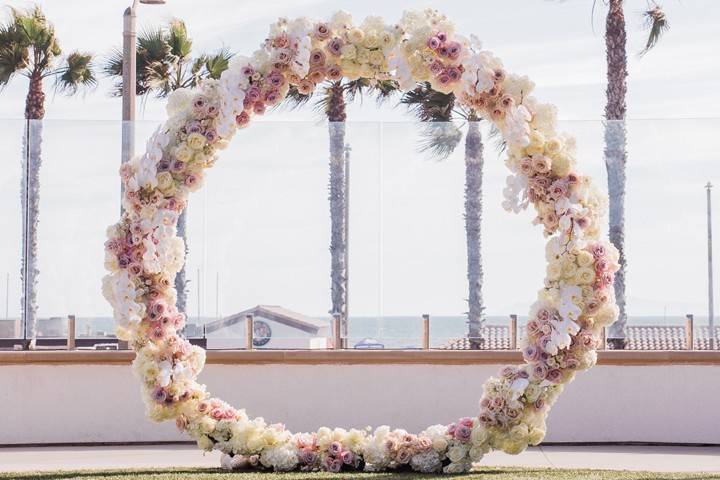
473	218
32	142
336	129
615	154
180	279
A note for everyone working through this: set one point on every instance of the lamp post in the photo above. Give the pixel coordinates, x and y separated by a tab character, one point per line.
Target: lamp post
129	78
711	320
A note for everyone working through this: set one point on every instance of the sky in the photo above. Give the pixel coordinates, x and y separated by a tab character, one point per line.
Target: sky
259	230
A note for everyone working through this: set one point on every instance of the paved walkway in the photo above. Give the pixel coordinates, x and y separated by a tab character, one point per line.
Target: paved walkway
657	459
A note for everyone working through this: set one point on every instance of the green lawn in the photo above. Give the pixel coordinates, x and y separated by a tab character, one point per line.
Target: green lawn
488	473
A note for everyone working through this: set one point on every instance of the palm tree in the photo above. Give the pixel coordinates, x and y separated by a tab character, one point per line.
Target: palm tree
165	64
440	138
332	102
615	139
30	48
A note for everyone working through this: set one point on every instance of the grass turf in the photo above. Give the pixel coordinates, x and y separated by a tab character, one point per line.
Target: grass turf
488	473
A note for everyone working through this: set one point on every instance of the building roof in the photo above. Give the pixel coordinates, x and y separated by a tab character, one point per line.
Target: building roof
275	313
649	337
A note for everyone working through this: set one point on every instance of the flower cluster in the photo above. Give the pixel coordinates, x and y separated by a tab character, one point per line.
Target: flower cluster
143	252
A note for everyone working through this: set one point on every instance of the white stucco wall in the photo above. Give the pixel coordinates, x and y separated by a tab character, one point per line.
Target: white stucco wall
97	403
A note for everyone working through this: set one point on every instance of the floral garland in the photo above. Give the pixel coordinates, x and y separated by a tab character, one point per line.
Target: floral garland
143	253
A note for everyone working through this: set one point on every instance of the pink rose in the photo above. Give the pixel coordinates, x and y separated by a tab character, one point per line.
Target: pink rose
403	456
554	375
436	67
248	71
531	354
276	79
243	119
317	57
454	73
433	43
334	73
462	434
442	36
159	395
181	422
253	93
454	49
601	265
211	135
487	418
598	250
424	444
308	456
335	46
507	101
539	371
332	465
467	421
199	103
335	448
444	79
347	457
322	31
259	108
572	363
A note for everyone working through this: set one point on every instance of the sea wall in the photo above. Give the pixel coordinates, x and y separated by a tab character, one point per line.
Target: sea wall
93	402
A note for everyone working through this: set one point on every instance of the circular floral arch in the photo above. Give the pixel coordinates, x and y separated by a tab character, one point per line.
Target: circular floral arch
143	253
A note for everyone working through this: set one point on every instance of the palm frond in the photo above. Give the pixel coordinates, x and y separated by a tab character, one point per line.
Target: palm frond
158	77
112	66
656	23
76	73
497	136
294	99
178	40
14	54
322	104
384	90
39	35
217	63
429	105
356	88
439	139
152	46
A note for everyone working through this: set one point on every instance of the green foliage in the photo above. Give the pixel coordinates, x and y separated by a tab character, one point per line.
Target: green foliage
381	90
29	47
164	62
429	105
440	136
656	23
77	72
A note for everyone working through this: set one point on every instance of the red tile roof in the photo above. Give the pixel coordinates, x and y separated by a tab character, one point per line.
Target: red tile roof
650	337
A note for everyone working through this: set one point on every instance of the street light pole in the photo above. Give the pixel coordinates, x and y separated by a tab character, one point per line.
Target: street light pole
129	80
711	306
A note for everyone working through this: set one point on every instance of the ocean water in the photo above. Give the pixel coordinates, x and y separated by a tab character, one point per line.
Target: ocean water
391	331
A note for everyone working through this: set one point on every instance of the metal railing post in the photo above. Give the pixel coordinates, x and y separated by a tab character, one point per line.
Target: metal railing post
513	332
249	331
337	334
71	332
426	332
689	332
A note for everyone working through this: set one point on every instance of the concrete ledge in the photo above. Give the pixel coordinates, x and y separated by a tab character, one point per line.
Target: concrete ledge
361	357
